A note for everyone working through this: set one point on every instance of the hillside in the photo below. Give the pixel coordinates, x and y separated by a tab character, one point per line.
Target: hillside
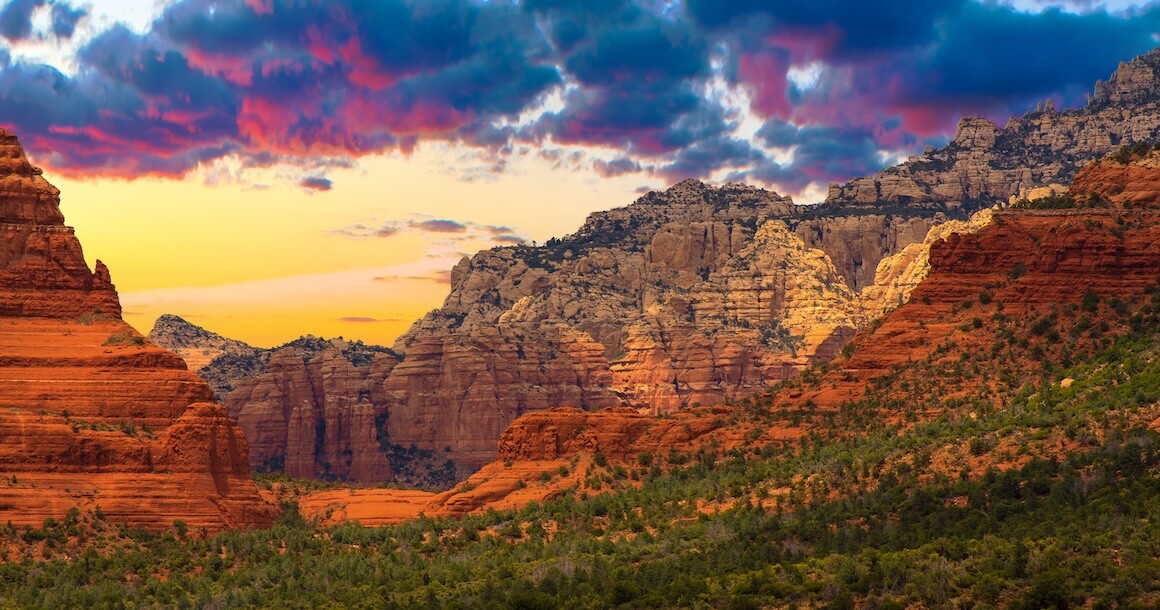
994	442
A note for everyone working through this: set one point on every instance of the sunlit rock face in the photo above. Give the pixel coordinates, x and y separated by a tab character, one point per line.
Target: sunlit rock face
93	413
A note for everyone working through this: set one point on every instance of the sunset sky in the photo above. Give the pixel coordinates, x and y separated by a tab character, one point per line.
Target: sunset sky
270	168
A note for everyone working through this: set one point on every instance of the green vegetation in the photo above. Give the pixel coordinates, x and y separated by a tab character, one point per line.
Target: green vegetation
124	339
1126	154
976	478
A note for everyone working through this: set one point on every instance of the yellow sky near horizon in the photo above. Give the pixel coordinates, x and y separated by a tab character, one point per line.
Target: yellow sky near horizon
266	265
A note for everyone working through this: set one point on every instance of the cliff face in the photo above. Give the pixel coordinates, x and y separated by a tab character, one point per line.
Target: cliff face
691	295
313	408
985	164
316	413
702	295
94	413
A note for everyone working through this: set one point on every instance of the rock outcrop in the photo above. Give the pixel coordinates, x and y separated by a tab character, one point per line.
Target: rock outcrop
691	295
315	411
985	164
312	408
196	346
1130	180
94	415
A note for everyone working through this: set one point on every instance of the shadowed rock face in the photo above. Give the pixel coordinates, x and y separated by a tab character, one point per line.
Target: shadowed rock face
312	408
316	413
93	413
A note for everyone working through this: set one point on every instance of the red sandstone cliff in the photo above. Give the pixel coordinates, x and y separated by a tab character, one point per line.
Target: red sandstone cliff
315	413
1029	262
95	415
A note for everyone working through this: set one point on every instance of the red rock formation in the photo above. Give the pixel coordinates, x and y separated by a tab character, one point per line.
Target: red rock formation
1133	184
1060	255
462	394
94	415
315	415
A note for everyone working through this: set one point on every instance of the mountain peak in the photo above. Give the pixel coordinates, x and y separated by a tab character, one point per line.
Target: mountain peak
984	164
25	196
196	345
1133	81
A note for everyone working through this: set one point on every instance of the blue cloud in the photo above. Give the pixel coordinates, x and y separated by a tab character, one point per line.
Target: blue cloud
16	19
317	183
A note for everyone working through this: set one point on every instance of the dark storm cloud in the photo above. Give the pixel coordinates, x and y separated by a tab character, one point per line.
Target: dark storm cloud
846	28
16	19
65	19
300	80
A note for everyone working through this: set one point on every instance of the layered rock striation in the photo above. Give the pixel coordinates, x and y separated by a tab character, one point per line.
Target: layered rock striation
316	411
93	414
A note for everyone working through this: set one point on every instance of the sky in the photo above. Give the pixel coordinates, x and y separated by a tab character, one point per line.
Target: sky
274	168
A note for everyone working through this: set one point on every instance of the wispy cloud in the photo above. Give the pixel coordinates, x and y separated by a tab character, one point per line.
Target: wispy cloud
447	230
440	276
359	320
316	183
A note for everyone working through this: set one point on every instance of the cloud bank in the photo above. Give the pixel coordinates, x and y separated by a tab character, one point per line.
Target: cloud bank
789	94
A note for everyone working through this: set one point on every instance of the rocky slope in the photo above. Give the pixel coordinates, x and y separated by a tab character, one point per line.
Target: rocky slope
95	415
701	295
1128	178
1000	311
985	164
196	346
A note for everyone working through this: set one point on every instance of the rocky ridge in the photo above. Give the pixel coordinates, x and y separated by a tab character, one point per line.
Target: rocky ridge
196	346
698	294
985	164
1031	287
94	414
